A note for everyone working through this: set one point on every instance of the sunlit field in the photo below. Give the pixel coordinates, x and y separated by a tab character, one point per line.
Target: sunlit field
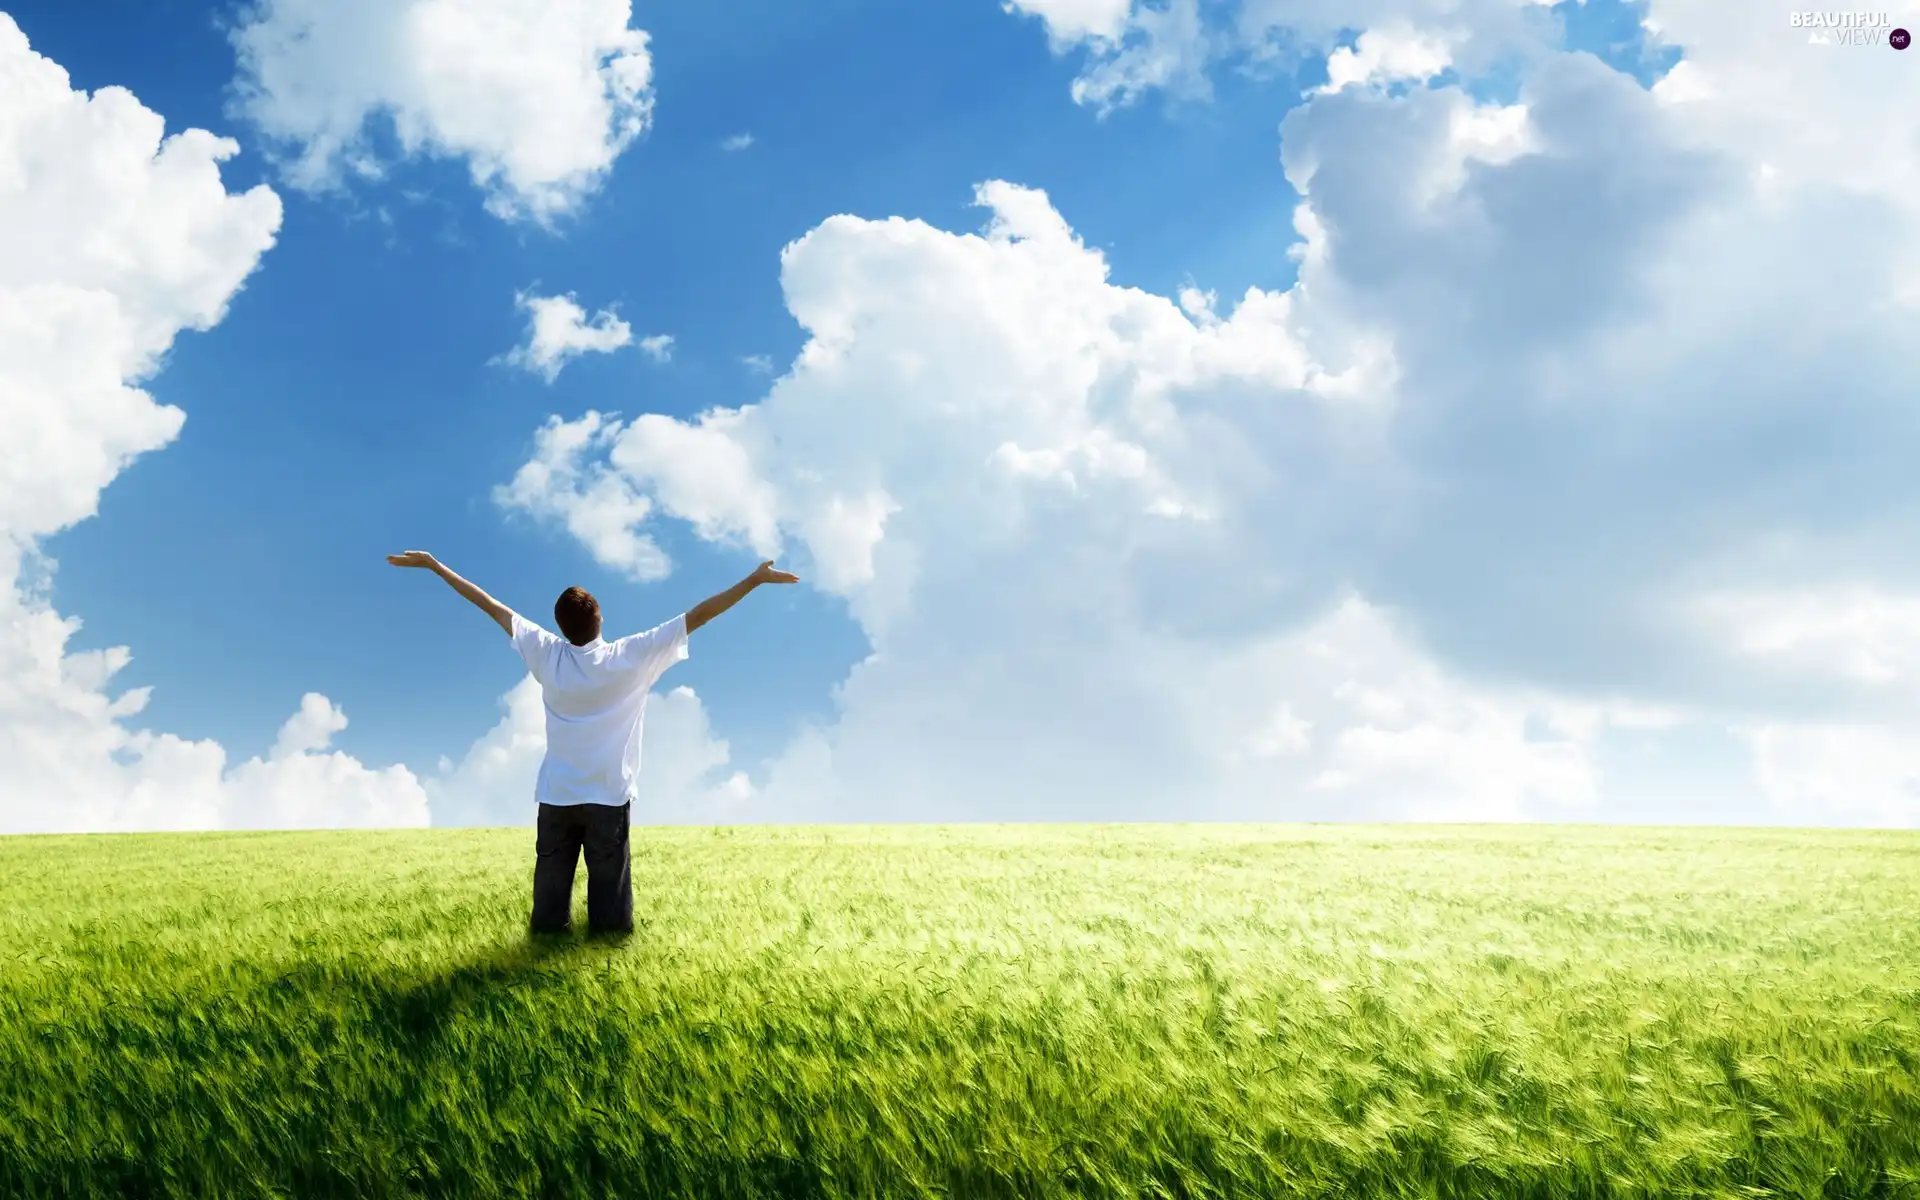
968	1011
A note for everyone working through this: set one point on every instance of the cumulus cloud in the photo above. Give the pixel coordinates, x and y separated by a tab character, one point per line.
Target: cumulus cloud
1071	21
559	331
1029	486
1840	126
659	347
493	783
595	504
538	96
1657	434
687	772
1131	50
1858	634
114	238
303	785
1575	447
1385	55
1623	416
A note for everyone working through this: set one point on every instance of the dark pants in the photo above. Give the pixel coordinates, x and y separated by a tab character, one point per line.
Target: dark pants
560	834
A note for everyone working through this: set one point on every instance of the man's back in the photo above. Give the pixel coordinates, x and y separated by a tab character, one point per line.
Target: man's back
595	697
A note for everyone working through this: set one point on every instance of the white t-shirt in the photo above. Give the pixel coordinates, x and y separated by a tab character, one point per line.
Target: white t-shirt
596	697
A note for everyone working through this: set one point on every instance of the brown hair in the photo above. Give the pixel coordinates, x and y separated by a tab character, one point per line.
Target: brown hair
578	615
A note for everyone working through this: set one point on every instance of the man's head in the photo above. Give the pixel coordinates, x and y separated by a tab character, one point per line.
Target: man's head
578	615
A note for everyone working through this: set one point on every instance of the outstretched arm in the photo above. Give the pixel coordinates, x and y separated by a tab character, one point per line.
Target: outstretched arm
720	602
485	603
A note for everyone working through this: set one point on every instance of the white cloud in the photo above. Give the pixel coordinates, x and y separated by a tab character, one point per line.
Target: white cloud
1618	415
1164	48
113	239
309	729
1842	125
659	347
1131	49
1071	21
493	784
687	777
1385	55
559	331
1857	633
1097	716
1417	743
1011	471
738	142
1661	467
538	96
699	473
759	364
695	471
302	785
594	504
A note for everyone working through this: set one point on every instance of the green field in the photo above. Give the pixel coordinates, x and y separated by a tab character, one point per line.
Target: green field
968	1011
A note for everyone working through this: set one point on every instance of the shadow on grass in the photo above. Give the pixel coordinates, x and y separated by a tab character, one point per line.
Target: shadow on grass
417	1007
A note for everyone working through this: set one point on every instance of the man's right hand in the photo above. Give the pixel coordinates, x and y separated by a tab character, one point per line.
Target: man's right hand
413	558
764	573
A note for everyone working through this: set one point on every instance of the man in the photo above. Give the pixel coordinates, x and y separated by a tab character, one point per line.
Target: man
595	695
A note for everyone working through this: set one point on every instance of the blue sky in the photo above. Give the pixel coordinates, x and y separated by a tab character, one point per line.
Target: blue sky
1495	510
